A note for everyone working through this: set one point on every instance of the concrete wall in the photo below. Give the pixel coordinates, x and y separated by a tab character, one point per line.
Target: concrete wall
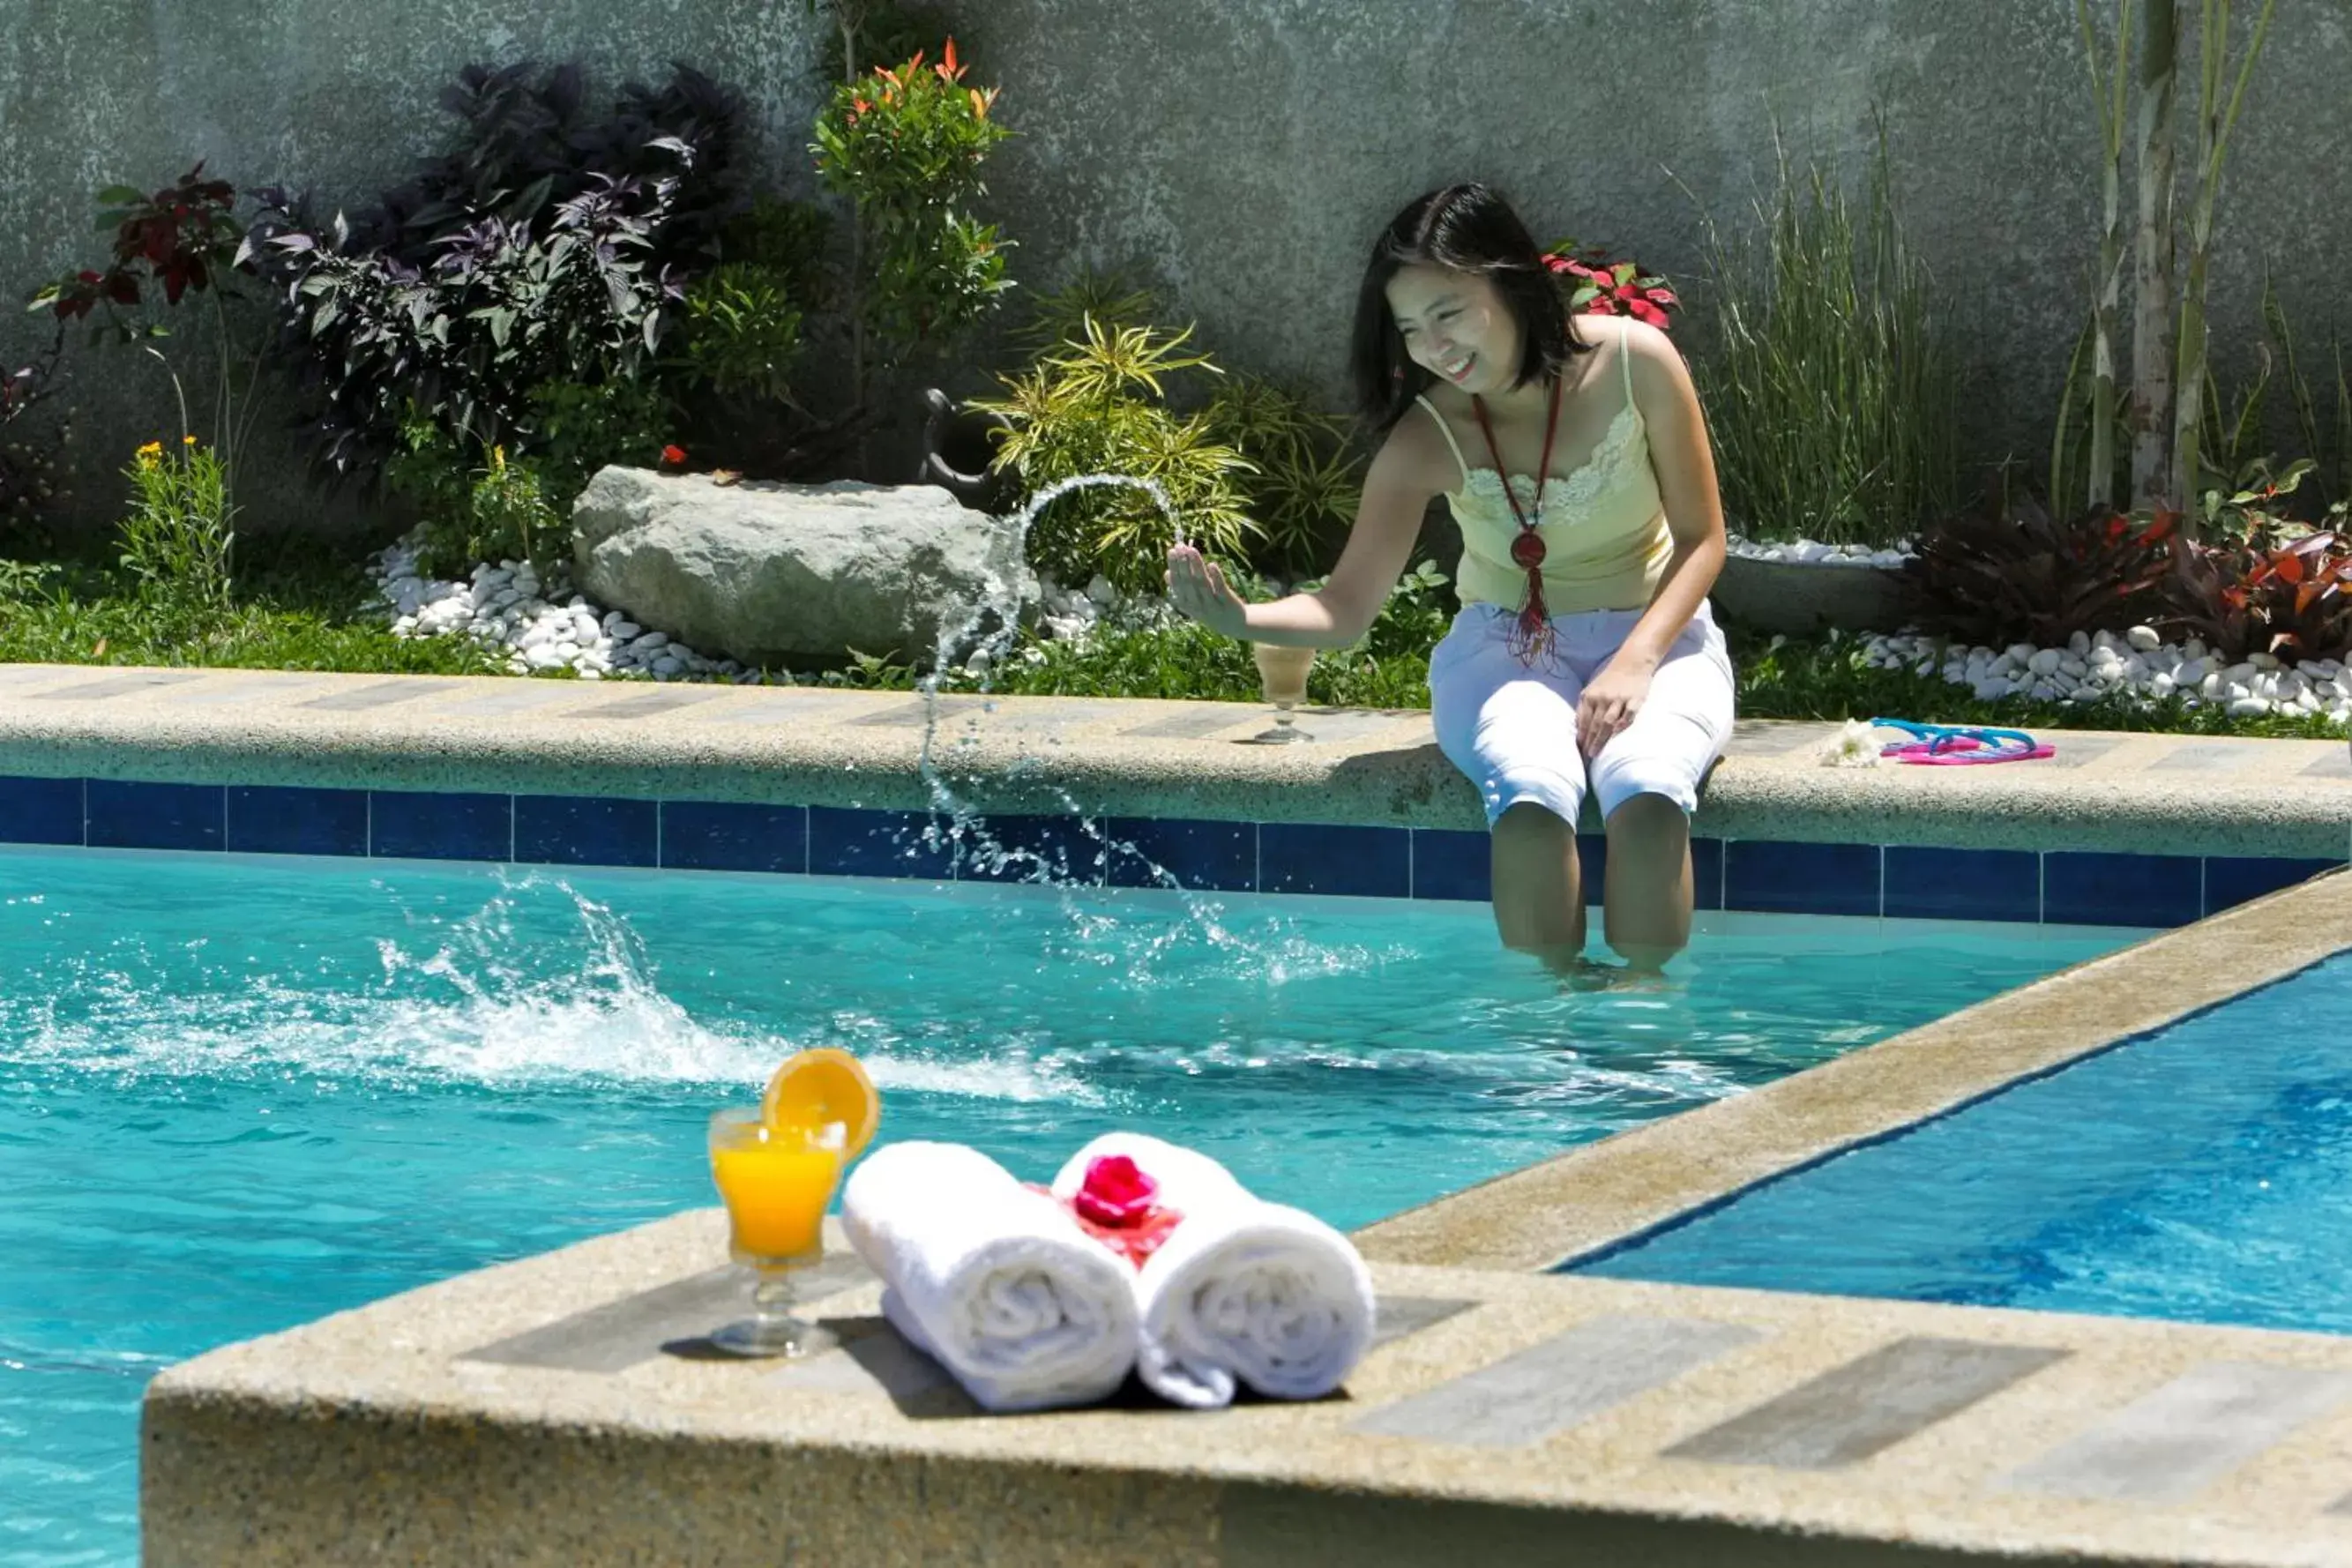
1247	149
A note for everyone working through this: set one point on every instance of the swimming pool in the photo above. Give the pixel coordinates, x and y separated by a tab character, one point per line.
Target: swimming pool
2202	1173
239	1093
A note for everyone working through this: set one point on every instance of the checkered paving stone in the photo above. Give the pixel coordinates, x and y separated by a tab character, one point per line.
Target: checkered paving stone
619	1334
873	1355
1193	726
528	697
771	711
647	705
1872	1403
119	686
2170	1444
246	693
2204	760
920	713
1546	1388
383	694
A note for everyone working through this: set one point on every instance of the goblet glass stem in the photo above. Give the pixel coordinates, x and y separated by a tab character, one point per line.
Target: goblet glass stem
774	1329
1282	676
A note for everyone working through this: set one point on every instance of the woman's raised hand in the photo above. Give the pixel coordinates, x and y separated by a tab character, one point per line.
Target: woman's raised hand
1200	592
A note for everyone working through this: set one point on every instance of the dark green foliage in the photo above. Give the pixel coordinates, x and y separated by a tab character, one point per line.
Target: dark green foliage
34	430
529	139
742	333
547	245
2009	573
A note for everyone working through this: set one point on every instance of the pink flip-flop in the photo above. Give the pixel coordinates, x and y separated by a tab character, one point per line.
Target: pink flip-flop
1960	745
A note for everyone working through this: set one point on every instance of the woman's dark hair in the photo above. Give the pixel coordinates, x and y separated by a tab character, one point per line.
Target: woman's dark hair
1470	228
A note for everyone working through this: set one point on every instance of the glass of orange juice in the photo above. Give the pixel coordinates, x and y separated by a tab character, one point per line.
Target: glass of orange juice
777	1181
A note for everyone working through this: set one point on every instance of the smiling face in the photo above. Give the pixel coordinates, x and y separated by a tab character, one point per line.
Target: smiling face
1457	326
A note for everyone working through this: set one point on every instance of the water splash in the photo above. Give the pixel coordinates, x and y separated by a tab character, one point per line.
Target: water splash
960	829
542	986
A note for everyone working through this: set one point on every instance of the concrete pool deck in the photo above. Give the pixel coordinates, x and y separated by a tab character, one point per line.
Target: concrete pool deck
2133	792
556	1409
562	1409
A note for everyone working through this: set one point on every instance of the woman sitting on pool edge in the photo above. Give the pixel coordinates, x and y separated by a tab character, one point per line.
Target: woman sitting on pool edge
1584	651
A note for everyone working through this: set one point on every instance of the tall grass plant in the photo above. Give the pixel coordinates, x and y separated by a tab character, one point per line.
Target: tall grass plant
1828	384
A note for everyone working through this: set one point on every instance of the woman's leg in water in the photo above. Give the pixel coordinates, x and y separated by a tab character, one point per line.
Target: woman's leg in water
1646	780
1539	894
1647	897
1512	732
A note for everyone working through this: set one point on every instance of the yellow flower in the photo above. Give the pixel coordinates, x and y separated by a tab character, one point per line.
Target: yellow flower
152	450
187	440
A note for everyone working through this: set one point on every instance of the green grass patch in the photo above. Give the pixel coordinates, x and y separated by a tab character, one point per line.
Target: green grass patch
303	608
296	608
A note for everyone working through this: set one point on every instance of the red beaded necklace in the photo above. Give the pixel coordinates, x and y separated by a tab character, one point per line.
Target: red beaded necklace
1531	634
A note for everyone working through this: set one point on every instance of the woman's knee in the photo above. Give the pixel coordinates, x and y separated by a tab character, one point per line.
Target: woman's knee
1630	775
1530	828
1541	788
1648	819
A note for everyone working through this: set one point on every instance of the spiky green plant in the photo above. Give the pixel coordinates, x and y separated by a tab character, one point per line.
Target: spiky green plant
1104	295
1310	477
1102	406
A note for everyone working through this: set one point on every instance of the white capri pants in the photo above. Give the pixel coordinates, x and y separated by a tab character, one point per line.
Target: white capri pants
1511	727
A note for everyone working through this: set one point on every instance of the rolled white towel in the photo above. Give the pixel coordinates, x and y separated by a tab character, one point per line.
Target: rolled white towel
1242	1288
994	1280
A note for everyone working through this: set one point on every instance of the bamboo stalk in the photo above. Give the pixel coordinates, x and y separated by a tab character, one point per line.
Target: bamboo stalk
2298	387
2106	294
2062	440
2343	453
2151	394
2215	120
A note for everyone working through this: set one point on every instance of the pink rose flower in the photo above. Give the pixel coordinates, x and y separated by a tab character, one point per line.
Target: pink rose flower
1116	1193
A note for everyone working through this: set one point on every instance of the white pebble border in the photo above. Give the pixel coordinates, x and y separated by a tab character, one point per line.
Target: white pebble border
2138	664
1813	552
539	626
543	626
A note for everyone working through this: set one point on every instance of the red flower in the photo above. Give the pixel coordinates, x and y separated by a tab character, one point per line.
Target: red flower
673	455
1116	1193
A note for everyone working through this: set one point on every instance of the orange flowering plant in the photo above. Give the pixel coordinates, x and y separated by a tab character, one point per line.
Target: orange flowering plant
905	145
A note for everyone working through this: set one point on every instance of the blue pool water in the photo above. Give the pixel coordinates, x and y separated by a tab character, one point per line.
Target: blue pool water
237	1094
2204	1172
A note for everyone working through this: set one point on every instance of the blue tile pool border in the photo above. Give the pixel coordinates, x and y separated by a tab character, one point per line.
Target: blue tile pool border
1424	863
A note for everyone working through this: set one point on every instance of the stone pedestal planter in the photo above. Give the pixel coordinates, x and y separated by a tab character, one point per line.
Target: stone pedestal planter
1802	598
770	572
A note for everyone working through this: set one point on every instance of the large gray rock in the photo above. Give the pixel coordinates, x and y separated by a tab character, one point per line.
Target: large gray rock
767	572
